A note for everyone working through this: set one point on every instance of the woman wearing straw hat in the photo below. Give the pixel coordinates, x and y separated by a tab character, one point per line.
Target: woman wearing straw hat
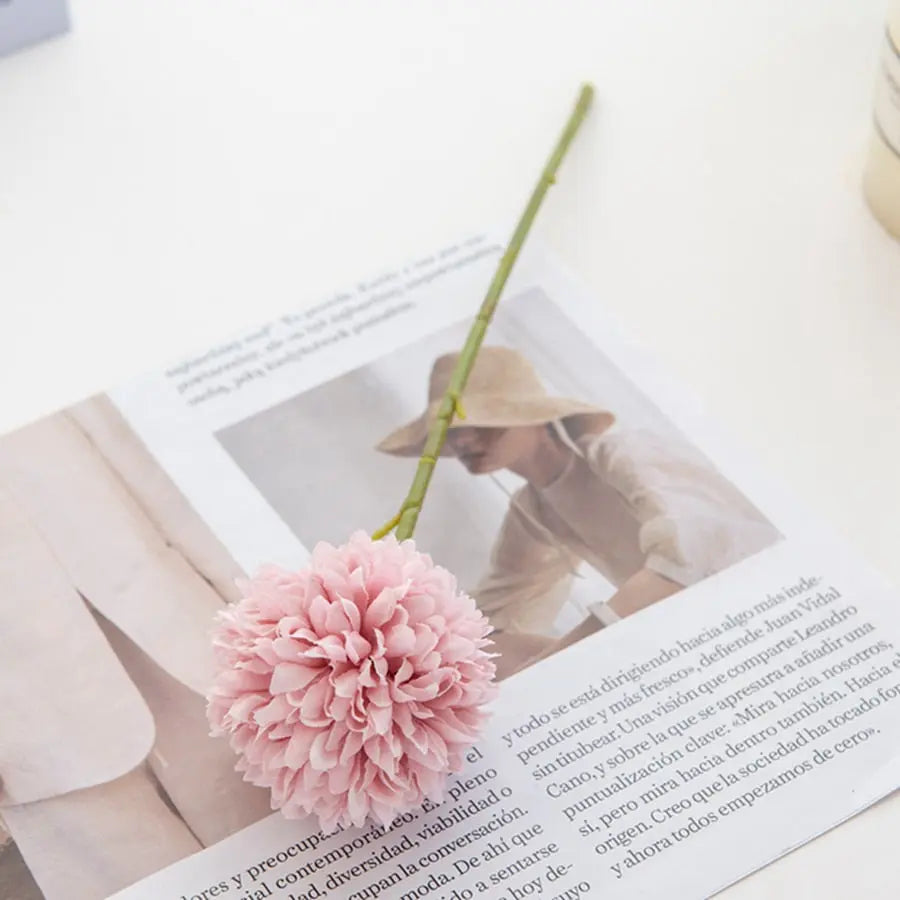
649	513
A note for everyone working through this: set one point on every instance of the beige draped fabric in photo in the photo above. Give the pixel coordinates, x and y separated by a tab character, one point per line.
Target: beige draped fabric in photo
108	585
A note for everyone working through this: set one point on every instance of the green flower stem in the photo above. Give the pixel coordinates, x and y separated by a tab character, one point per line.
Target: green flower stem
406	518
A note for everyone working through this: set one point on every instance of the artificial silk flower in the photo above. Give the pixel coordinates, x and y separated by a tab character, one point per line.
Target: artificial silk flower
353	687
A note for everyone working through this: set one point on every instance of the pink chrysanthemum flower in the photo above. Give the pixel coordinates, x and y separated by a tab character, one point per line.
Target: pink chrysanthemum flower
355	686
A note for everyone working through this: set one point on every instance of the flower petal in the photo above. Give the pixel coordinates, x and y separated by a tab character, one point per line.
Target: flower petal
292	677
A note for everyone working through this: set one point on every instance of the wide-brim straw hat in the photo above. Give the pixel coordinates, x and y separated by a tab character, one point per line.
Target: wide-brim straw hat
503	391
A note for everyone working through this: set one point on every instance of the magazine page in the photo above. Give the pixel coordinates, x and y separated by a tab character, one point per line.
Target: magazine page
696	677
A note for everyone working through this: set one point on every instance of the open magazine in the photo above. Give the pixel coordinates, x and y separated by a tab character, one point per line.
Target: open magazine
644	743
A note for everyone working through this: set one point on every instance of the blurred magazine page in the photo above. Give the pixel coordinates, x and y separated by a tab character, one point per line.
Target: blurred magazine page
697	677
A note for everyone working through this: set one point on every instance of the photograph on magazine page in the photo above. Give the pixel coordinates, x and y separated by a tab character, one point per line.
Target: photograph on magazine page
107	769
567	500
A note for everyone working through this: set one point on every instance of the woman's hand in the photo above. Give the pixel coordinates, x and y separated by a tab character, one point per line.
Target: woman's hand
640	590
516	650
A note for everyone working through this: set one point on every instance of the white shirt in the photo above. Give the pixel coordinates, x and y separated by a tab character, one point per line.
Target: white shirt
627	500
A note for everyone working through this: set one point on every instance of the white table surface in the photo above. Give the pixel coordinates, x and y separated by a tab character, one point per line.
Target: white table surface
173	171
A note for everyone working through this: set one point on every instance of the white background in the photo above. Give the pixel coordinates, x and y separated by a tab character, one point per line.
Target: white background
174	171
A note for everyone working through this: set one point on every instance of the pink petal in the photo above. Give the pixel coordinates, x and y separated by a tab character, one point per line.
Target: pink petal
318	615
345	685
272	712
336	620
292	677
400	640
382	606
321	758
297	752
381	718
312	710
351	611
357	647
